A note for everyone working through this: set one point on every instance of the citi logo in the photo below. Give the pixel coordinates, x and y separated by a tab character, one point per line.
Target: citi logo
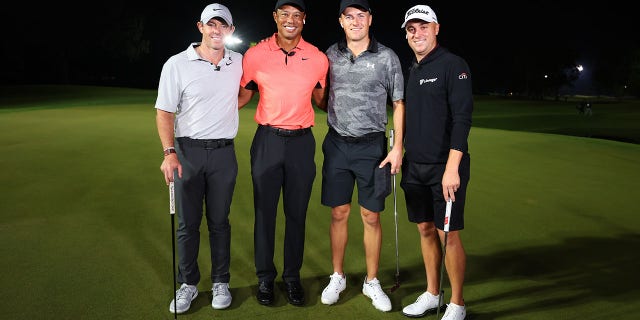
463	76
423	81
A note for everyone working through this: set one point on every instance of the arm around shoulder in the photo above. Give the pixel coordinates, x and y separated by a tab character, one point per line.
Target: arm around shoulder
244	96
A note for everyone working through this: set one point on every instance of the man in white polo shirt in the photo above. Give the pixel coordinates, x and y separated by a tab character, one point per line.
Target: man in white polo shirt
197	119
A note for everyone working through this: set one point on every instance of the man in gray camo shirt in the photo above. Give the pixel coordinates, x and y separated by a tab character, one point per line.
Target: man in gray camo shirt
362	75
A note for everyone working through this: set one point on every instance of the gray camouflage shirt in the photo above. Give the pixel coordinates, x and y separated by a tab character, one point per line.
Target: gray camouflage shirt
359	87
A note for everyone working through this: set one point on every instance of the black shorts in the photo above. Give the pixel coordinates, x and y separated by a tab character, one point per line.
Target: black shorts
422	185
350	160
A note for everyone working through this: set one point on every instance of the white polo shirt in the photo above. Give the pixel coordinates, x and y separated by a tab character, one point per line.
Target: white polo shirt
203	96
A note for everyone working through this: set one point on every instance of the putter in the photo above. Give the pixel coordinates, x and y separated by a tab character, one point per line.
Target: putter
172	212
447	221
395	216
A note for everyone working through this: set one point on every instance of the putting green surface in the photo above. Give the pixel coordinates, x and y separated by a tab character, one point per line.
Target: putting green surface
552	230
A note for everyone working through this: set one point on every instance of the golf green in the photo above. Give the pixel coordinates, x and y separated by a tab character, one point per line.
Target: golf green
551	228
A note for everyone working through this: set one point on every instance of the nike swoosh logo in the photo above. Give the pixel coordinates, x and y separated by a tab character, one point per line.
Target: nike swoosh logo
216	9
305	58
228	63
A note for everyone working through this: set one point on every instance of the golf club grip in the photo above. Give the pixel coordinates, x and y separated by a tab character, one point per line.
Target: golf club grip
172	198
391	138
447	216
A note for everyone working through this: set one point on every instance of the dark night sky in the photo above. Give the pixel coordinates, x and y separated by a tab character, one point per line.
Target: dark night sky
489	35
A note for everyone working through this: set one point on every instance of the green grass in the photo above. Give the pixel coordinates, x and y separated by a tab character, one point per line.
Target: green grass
551	228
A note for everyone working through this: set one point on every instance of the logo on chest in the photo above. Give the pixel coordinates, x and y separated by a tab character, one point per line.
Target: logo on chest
423	81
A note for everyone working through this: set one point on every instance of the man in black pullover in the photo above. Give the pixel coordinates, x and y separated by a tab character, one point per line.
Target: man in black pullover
439	103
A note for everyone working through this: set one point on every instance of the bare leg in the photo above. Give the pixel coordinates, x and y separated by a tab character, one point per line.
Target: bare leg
455	262
372	241
339	235
431	255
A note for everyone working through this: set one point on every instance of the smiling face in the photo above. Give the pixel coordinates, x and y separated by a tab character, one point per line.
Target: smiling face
290	21
421	37
355	22
214	33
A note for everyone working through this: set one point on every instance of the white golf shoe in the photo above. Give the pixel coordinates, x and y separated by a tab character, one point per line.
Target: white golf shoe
373	290
425	303
331	293
221	295
184	296
454	312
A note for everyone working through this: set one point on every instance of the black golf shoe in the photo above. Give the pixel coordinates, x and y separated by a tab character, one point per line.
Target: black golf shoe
295	292
265	292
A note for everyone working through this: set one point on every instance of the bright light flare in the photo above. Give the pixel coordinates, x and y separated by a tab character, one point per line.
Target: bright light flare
579	67
232	40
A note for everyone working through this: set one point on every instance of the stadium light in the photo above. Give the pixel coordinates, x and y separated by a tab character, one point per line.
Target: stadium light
232	40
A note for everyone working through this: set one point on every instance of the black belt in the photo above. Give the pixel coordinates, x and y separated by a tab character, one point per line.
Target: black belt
205	143
372	136
286	132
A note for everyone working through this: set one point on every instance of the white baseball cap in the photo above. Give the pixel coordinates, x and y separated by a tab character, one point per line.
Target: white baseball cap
420	12
216	10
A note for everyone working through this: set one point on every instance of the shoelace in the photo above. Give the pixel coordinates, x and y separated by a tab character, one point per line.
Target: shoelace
334	283
376	288
336	279
448	311
184	293
219	289
264	286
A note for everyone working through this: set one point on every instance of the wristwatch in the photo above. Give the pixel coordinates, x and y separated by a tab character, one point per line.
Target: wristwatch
169	151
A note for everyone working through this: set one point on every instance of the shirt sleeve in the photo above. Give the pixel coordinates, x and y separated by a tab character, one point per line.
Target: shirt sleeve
169	88
396	84
460	104
247	69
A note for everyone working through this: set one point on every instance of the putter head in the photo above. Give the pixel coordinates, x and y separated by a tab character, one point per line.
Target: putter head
396	285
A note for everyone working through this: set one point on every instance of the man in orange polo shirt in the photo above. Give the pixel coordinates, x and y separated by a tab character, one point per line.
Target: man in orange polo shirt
288	72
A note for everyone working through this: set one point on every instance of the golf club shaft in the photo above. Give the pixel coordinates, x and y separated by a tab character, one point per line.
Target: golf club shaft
172	212
447	221
395	213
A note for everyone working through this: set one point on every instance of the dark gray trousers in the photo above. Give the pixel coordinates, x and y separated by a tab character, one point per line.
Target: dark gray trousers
209	170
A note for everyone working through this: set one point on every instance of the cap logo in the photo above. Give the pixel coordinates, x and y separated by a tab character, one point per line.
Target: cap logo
416	10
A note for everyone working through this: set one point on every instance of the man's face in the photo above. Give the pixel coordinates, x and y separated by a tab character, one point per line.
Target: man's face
290	21
214	33
421	36
355	22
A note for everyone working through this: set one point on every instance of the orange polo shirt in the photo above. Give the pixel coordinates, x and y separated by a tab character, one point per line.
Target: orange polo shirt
285	82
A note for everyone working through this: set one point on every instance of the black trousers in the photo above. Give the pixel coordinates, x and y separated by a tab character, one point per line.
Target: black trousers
209	170
281	160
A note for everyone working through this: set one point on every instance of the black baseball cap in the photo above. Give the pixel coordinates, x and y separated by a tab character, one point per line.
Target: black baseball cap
363	4
296	3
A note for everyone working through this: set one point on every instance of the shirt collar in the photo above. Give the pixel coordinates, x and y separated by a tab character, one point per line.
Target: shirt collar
192	54
273	44
373	44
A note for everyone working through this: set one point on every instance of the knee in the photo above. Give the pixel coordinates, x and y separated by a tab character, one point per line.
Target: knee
370	218
340	213
427	229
